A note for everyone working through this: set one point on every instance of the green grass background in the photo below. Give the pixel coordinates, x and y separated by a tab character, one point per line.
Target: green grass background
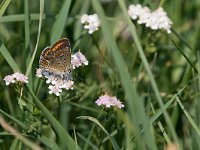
155	75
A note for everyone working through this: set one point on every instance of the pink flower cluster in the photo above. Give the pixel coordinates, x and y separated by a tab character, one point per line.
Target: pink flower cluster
15	77
59	82
109	101
78	59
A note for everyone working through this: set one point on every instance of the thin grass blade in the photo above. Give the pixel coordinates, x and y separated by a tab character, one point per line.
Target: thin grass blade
114	143
38	37
194	125
26	24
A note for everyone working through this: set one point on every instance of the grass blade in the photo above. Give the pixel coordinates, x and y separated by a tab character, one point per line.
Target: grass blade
135	107
38	37
26	24
20	17
8	58
114	143
3	6
64	137
46	141
59	24
194	125
166	105
147	67
182	39
184	55
17	135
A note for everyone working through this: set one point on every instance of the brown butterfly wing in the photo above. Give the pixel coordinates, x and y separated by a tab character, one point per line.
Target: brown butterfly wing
57	58
44	59
61	61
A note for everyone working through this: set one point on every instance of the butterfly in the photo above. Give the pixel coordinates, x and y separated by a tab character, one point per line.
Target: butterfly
56	59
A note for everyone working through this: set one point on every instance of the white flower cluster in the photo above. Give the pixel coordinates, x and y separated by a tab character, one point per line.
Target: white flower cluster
108	101
59	82
55	81
91	22
155	20
15	77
